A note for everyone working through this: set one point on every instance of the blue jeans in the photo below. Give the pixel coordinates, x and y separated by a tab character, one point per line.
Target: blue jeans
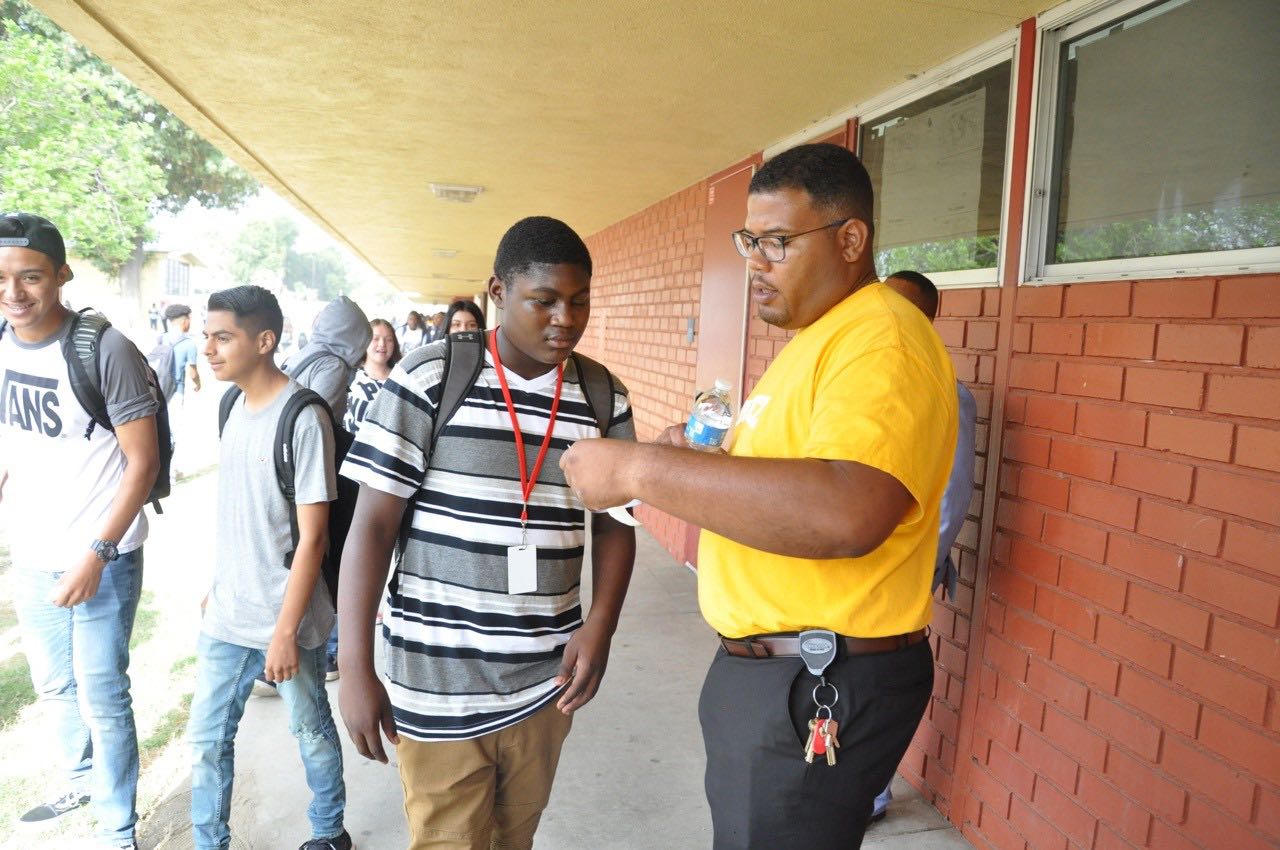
79	659
883	799
224	678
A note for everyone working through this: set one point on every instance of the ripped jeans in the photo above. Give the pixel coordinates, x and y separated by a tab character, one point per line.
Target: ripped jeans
224	678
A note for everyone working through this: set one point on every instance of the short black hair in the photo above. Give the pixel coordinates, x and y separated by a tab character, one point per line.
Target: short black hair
464	306
538	240
831	174
255	308
928	291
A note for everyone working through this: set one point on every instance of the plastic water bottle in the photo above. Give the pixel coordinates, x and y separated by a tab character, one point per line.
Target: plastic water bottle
711	417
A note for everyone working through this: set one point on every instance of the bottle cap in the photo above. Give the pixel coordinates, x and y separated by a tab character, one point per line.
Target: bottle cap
722	385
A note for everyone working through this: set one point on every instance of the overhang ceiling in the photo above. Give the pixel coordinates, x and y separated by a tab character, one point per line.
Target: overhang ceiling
588	110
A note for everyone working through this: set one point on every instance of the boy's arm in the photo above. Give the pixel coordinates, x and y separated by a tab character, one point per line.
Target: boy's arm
313	539
131	406
613	554
315	483
137	440
362	698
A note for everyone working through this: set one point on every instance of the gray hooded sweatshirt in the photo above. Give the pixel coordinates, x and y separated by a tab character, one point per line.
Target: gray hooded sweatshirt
342	330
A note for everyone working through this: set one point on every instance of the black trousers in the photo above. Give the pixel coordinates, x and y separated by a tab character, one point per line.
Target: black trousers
755	715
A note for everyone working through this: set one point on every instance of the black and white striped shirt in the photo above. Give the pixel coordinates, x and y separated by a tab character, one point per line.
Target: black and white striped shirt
464	657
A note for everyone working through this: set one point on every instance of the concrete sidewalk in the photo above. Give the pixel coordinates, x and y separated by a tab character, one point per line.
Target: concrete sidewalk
630	777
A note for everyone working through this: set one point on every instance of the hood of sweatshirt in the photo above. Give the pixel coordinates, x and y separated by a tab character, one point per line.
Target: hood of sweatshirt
341	328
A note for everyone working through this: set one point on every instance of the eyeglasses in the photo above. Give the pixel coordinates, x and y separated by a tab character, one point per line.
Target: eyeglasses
772	247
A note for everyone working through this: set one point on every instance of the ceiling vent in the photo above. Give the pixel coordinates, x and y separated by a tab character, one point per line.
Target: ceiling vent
456	193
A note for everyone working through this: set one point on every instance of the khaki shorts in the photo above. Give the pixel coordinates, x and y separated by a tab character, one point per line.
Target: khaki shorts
485	793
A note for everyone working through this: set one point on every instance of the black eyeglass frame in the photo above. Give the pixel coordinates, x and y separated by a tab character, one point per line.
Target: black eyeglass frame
752	243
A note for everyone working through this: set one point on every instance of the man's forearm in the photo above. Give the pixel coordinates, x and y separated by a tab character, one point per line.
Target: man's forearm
802	508
359	589
613	555
365	559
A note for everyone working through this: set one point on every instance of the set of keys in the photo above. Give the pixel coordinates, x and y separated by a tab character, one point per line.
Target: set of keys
822	739
818	650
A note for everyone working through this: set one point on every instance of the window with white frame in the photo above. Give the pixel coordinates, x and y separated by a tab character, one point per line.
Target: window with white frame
937	166
177	277
1159	140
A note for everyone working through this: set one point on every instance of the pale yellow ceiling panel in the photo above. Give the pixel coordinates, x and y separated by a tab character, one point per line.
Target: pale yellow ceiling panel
588	111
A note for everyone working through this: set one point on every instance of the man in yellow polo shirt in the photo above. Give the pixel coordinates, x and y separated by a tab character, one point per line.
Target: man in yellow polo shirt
823	515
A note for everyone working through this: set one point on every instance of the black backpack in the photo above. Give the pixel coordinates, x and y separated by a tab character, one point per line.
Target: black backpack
341	509
80	350
464	360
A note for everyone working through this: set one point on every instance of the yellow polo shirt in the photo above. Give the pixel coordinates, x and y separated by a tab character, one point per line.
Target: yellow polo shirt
870	382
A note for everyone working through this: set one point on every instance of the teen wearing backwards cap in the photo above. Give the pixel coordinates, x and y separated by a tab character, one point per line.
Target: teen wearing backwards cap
72	497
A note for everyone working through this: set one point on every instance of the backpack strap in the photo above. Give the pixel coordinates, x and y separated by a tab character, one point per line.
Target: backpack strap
463	362
285	427
225	405
80	350
597	385
286	471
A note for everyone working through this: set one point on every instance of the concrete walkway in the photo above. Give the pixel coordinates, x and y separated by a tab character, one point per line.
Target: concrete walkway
630	777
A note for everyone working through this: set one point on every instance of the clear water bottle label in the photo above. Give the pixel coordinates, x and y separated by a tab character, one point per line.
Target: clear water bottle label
701	433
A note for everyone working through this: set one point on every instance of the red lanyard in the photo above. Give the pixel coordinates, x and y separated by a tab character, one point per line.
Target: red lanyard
526	481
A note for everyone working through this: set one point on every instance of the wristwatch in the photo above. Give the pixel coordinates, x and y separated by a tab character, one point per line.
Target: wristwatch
105	550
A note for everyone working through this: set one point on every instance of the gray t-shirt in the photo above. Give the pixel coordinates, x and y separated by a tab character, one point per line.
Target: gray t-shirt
252	529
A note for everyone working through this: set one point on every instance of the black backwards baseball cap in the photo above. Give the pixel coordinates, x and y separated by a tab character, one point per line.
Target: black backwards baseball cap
24	230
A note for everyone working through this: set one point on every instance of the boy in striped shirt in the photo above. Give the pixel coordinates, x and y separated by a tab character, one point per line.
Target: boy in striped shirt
487	651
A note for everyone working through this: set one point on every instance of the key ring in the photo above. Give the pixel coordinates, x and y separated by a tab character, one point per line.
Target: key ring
825	684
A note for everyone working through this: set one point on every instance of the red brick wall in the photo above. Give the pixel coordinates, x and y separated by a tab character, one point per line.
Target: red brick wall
647	282
967	323
1128	690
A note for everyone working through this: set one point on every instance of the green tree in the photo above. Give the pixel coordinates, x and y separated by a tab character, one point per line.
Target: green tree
65	154
323	272
261	248
193	168
82	146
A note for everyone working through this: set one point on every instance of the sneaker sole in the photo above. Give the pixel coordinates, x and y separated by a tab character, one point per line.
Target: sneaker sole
40	827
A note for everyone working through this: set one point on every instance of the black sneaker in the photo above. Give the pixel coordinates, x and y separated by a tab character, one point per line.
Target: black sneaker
331	669
338	842
45	814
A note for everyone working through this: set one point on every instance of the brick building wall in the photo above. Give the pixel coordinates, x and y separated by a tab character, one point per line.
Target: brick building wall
967	324
1130	662
647	281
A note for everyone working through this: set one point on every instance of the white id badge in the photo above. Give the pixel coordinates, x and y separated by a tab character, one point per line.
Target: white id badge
522	569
